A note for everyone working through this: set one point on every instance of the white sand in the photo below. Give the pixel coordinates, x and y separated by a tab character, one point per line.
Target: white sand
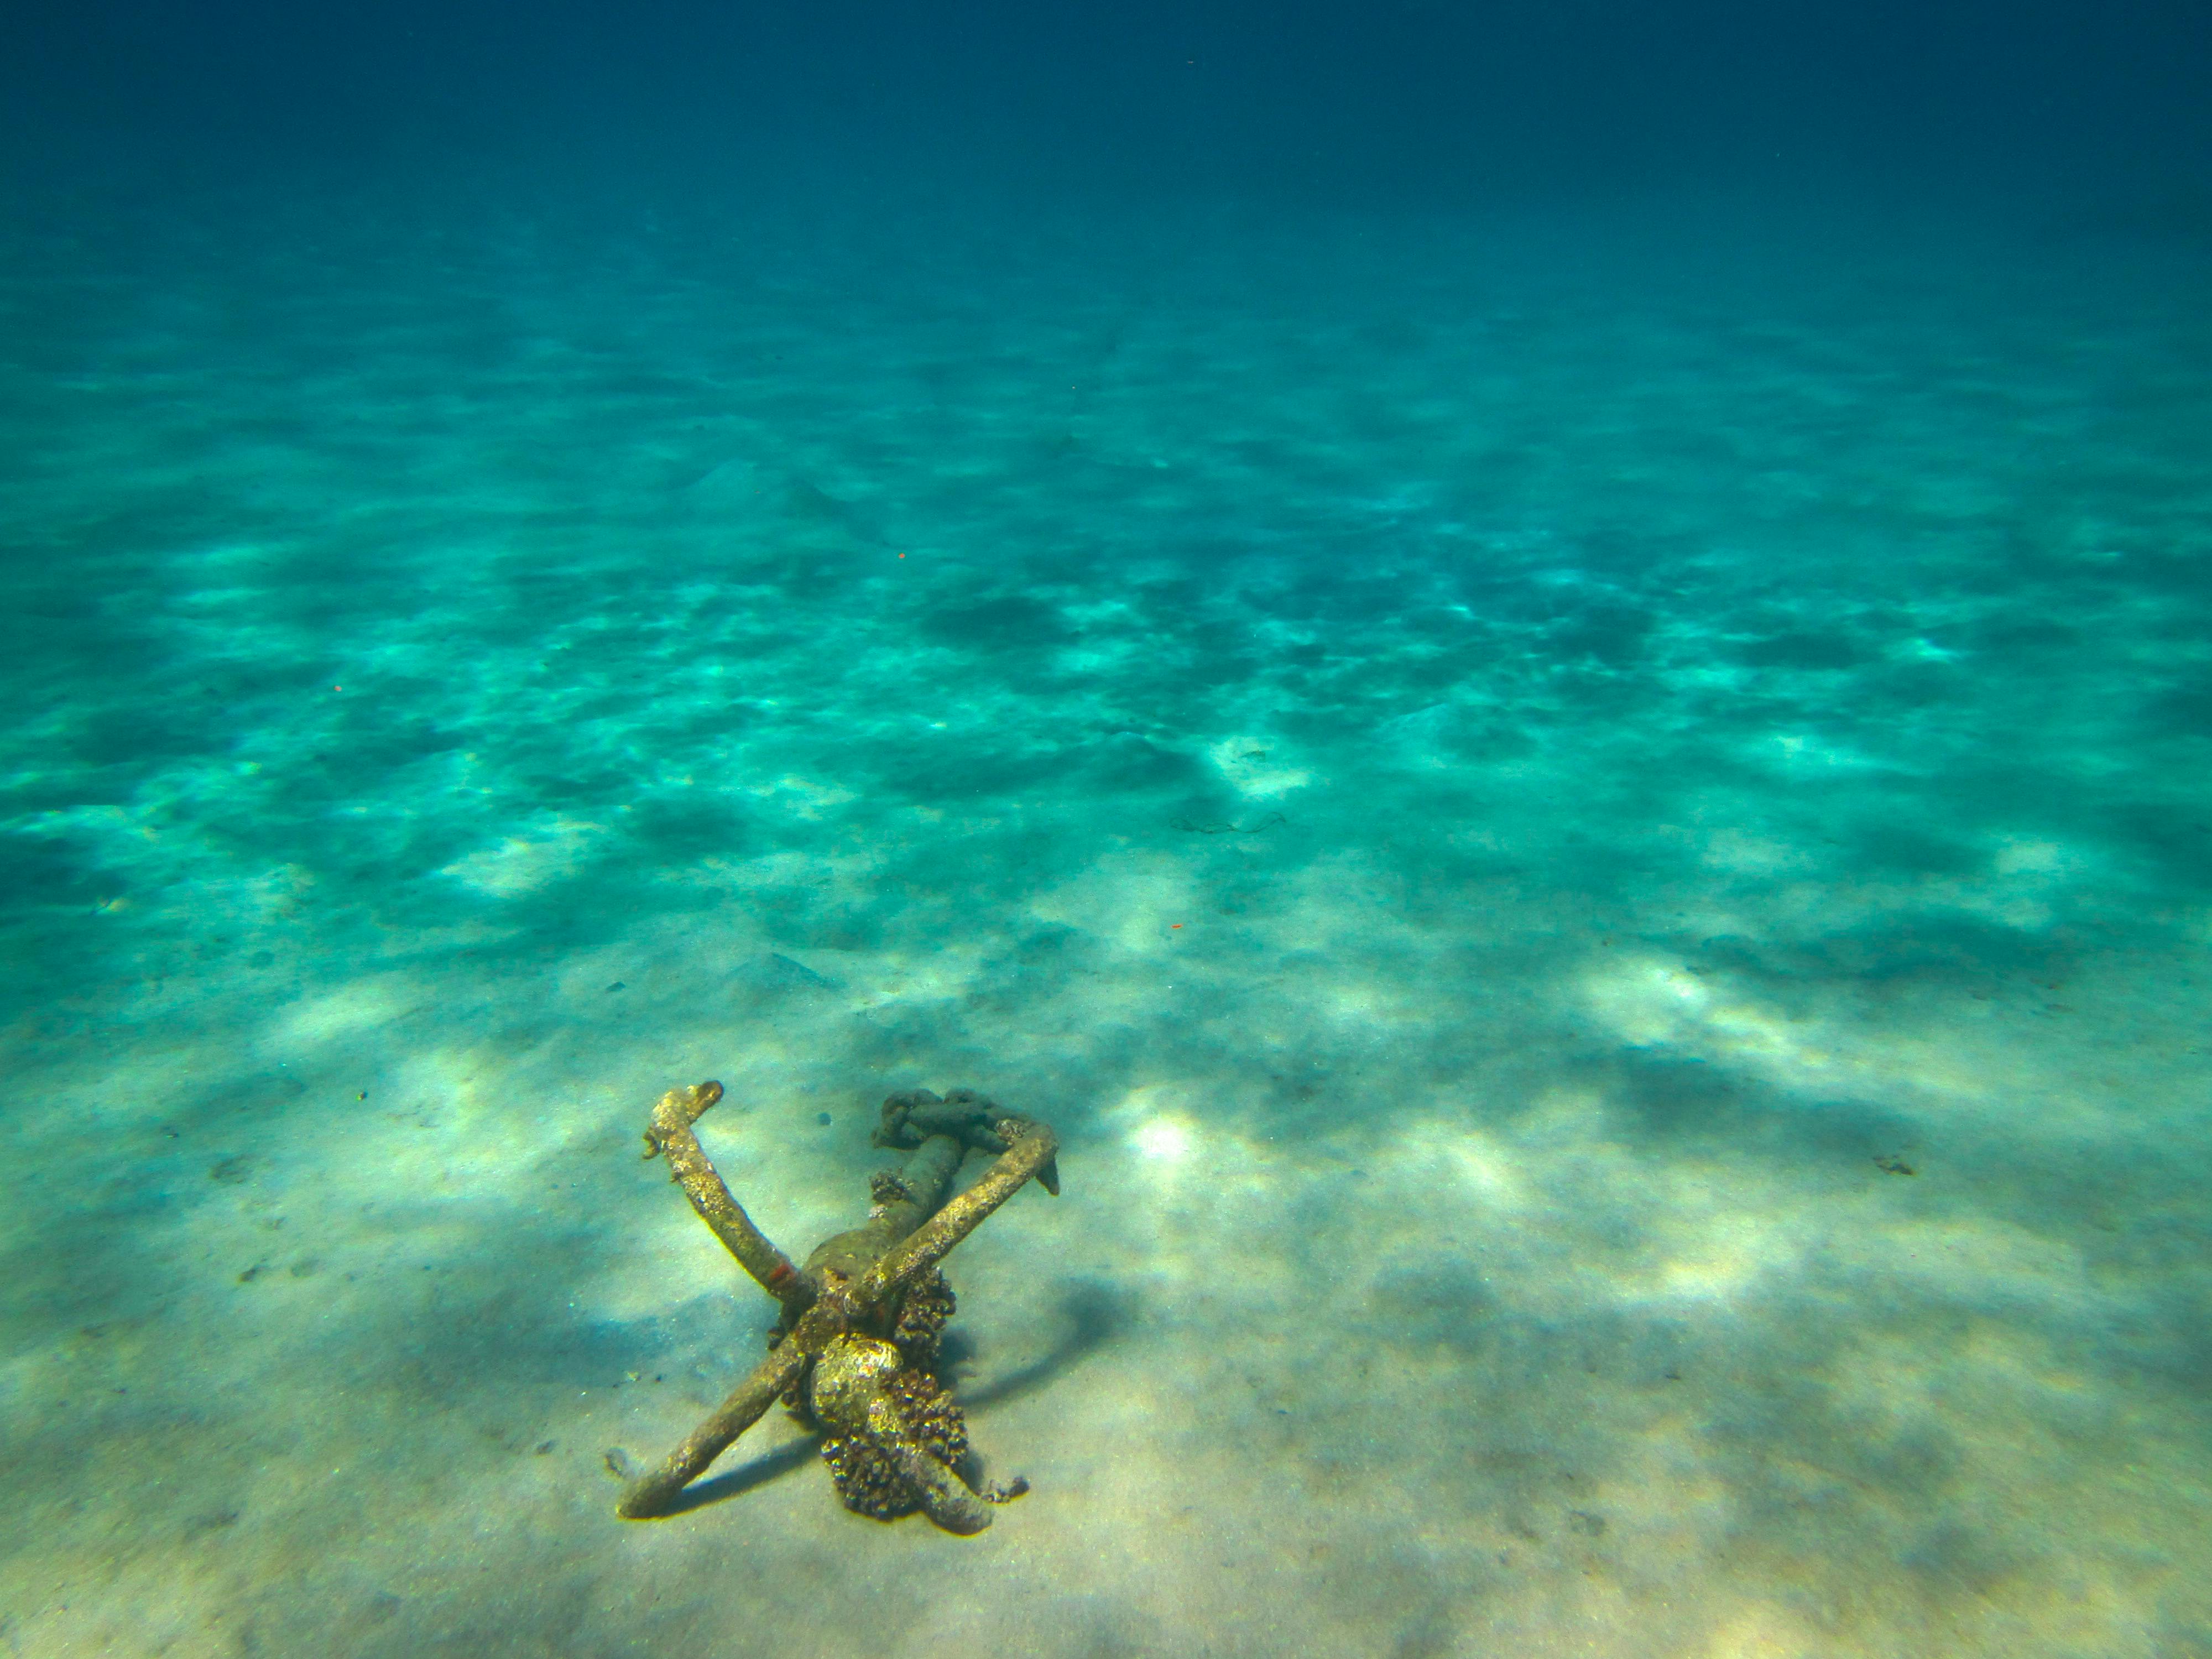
1480	779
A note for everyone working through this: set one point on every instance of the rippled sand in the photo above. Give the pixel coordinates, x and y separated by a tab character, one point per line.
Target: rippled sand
1594	834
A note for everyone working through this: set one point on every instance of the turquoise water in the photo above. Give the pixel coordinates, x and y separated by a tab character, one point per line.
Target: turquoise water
1593	827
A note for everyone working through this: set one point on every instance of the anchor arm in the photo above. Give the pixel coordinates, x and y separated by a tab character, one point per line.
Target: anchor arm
1033	1150
668	1133
652	1495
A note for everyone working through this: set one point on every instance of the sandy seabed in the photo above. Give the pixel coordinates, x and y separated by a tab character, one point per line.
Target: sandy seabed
1604	867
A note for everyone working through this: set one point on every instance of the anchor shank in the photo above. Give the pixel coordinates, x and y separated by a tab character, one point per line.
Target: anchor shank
1032	1151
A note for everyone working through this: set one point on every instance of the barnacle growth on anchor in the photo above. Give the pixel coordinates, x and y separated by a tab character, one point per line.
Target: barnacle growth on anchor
857	1343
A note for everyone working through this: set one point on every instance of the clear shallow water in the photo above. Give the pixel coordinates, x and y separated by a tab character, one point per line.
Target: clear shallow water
1495	780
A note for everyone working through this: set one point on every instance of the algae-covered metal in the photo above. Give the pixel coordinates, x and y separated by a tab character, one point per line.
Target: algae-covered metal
856	1348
